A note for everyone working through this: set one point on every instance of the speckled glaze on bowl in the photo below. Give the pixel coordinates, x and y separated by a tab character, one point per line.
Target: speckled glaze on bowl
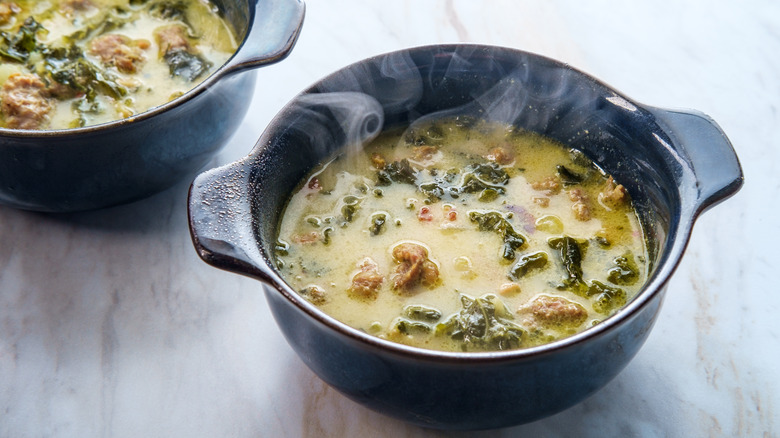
121	161
676	164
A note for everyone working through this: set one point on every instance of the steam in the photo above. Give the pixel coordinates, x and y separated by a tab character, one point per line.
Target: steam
352	106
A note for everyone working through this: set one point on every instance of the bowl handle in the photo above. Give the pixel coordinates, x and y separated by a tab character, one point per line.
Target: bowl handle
709	154
220	220
272	34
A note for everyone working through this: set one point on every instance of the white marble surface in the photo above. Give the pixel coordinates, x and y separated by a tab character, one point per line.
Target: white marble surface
110	325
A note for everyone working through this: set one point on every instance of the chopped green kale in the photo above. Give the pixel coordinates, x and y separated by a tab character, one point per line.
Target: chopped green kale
377	223
625	272
527	263
570	252
69	67
494	221
104	22
397	171
487	179
567	176
418	312
350	205
607	298
186	65
483	324
20	45
171	10
406	327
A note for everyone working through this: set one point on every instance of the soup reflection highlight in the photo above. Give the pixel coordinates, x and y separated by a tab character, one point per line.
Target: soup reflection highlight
459	234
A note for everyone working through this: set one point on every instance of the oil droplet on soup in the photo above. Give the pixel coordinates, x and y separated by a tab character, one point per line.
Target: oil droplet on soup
481	237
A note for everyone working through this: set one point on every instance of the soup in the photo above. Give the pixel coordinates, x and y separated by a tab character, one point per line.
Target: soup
73	63
463	235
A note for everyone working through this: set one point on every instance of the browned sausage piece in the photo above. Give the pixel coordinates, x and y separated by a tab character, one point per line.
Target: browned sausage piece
551	185
368	280
613	194
25	104
171	38
414	266
580	204
119	50
501	155
551	311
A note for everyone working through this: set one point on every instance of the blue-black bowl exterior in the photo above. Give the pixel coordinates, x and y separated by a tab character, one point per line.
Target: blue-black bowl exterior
101	167
461	395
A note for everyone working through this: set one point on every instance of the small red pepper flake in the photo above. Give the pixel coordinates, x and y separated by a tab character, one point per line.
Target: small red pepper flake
452	215
314	183
425	214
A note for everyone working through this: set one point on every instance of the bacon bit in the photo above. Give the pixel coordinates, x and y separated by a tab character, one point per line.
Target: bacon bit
450	213
541	201
306	238
314	183
378	160
425	214
551	185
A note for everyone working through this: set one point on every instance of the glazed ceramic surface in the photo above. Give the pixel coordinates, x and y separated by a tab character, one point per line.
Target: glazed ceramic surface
674	164
121	161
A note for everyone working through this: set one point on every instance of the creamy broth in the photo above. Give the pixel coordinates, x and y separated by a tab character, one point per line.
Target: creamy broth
55	74
463	235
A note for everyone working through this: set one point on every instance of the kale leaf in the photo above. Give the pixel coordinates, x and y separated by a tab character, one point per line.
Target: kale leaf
377	223
418	312
570	252
69	67
487	179
20	45
607	298
397	171
184	64
527	263
625	271
482	324
567	176
494	221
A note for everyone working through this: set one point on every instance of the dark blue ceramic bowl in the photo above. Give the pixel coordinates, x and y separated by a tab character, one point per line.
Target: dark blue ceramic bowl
676	164
125	160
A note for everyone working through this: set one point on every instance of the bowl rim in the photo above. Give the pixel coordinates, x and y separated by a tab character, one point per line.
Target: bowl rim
668	259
